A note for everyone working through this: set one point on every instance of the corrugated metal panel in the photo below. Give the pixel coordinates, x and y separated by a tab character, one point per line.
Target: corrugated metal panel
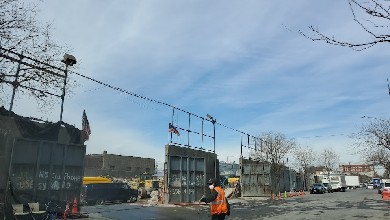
262	179
185	179
43	171
255	179
186	172
300	182
5	140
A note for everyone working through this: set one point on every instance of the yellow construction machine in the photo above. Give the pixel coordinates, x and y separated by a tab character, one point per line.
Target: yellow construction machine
95	179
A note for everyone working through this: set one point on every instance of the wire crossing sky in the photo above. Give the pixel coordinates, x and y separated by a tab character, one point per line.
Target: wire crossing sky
46	70
235	61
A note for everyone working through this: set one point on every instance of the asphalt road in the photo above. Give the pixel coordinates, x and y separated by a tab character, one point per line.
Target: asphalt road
352	204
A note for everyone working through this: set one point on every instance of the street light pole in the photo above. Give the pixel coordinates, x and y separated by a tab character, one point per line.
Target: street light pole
215	162
214	135
69	60
212	121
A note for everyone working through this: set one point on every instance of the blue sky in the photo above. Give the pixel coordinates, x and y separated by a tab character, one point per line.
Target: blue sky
240	61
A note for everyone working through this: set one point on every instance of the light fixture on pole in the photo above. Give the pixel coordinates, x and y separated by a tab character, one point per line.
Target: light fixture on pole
212	121
69	60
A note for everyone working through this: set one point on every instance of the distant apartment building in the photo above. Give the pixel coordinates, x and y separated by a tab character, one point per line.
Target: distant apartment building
118	166
359	169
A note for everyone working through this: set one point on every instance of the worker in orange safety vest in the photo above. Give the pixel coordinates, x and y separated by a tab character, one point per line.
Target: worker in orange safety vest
219	204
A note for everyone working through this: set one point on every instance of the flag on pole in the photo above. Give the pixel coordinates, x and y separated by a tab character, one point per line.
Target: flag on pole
173	129
85	125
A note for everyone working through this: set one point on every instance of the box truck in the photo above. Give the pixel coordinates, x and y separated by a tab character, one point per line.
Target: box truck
352	182
337	181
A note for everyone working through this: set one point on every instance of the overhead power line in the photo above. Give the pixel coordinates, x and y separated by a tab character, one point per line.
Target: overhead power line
210	119
156	101
17	57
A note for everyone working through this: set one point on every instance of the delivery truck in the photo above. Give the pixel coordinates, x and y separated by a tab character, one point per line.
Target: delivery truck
337	181
352	182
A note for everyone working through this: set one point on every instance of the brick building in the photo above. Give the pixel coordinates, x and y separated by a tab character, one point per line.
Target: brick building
117	165
360	169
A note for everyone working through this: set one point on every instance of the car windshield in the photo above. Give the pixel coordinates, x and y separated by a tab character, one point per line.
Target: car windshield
387	184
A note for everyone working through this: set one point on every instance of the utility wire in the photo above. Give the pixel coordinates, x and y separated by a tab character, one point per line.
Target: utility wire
114	88
21	56
161	103
117	89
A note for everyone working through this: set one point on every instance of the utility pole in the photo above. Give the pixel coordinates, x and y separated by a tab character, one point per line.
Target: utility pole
15	82
69	60
215	162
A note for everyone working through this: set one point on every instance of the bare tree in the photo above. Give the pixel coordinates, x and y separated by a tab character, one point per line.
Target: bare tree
304	158
21	36
329	159
379	156
373	16
273	148
372	141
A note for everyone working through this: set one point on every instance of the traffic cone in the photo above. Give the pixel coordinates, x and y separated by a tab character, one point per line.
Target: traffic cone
291	195
285	194
296	193
66	211
386	195
279	196
74	207
272	196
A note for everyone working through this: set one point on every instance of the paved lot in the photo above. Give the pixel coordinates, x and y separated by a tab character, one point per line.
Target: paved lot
353	204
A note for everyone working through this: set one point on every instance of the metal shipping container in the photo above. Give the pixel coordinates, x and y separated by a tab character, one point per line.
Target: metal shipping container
39	169
186	173
263	179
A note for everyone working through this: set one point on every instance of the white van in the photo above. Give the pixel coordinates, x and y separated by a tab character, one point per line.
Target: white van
386	187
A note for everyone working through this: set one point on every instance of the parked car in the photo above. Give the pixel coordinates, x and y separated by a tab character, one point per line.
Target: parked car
317	188
370	186
328	187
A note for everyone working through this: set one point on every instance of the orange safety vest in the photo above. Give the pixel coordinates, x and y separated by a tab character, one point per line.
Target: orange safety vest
219	205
